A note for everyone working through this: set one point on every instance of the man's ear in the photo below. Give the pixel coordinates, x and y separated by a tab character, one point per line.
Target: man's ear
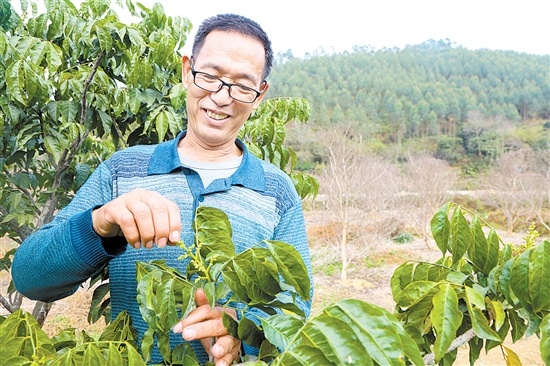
263	90
186	70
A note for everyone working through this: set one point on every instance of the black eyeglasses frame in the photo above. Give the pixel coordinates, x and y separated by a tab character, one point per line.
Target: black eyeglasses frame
223	83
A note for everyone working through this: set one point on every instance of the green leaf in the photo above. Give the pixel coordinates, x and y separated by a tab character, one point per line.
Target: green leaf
99	293
476	345
545	339
114	357
410	272
120	330
103	34
291	266
446	319
249	333
414	293
184	354
530	278
474	297
281	328
519	326
497	308
483	253
15	81
480	324
161	124
248	280
92	355
351	332
21	336
460	235
440	227
502	279
213	233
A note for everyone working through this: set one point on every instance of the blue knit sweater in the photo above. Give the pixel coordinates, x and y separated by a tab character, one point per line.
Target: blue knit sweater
259	199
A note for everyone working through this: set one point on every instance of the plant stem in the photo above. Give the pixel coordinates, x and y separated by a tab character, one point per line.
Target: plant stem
459	341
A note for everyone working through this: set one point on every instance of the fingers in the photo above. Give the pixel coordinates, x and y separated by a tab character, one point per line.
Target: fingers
225	350
205	323
200	297
145	218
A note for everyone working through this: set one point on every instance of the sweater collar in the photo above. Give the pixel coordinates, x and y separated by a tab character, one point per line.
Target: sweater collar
250	174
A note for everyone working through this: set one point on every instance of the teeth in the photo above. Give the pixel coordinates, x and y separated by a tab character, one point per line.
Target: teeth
216	115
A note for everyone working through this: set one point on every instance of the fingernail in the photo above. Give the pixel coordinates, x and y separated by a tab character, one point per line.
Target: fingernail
177	328
161	243
149	244
175	236
137	244
189	334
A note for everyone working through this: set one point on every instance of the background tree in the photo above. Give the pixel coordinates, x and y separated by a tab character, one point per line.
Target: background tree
426	185
357	188
518	187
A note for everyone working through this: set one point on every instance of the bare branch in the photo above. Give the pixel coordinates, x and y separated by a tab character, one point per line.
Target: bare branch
41	310
6	304
429	359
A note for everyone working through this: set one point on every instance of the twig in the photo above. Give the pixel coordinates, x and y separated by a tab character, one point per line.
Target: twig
6	304
459	341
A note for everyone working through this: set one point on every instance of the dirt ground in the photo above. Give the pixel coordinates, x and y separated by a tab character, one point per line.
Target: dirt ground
368	280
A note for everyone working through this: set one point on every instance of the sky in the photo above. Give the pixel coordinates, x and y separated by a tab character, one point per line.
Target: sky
305	26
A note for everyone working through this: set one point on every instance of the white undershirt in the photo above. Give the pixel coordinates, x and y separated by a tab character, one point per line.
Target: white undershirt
212	171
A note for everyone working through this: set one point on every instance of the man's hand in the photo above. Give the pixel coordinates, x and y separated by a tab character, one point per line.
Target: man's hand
206	324
142	217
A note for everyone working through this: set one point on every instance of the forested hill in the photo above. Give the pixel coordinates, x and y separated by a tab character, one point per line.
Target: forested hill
431	89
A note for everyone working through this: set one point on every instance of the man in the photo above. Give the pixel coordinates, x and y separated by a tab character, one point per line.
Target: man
145	197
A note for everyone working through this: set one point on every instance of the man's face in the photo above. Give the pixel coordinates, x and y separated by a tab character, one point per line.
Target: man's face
214	118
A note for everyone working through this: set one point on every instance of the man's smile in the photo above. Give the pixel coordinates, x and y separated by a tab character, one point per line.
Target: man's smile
216	116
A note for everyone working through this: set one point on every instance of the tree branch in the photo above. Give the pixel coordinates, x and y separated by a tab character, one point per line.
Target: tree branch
429	359
41	310
6	304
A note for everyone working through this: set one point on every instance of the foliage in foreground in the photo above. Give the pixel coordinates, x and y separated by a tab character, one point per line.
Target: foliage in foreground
481	292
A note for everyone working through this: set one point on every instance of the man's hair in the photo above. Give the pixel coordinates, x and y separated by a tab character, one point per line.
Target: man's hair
238	24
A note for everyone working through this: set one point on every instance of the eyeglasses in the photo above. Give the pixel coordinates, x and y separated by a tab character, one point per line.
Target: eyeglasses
213	84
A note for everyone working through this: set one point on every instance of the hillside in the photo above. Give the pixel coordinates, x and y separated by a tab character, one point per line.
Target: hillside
466	107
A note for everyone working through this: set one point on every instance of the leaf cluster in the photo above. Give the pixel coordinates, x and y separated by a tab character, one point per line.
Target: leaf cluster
25	343
479	287
79	83
480	291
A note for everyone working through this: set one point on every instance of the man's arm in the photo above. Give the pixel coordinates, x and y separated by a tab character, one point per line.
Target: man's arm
55	260
88	233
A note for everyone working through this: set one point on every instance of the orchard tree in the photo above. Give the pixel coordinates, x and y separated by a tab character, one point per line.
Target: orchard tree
79	84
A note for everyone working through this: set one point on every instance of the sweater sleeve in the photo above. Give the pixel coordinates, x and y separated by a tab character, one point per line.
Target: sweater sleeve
52	262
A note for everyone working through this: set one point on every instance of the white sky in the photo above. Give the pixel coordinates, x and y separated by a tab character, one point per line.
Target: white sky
305	25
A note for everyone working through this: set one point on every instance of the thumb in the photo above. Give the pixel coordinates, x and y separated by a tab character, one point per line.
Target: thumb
200	297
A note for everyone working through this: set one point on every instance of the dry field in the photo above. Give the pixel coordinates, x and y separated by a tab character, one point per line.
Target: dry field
368	280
